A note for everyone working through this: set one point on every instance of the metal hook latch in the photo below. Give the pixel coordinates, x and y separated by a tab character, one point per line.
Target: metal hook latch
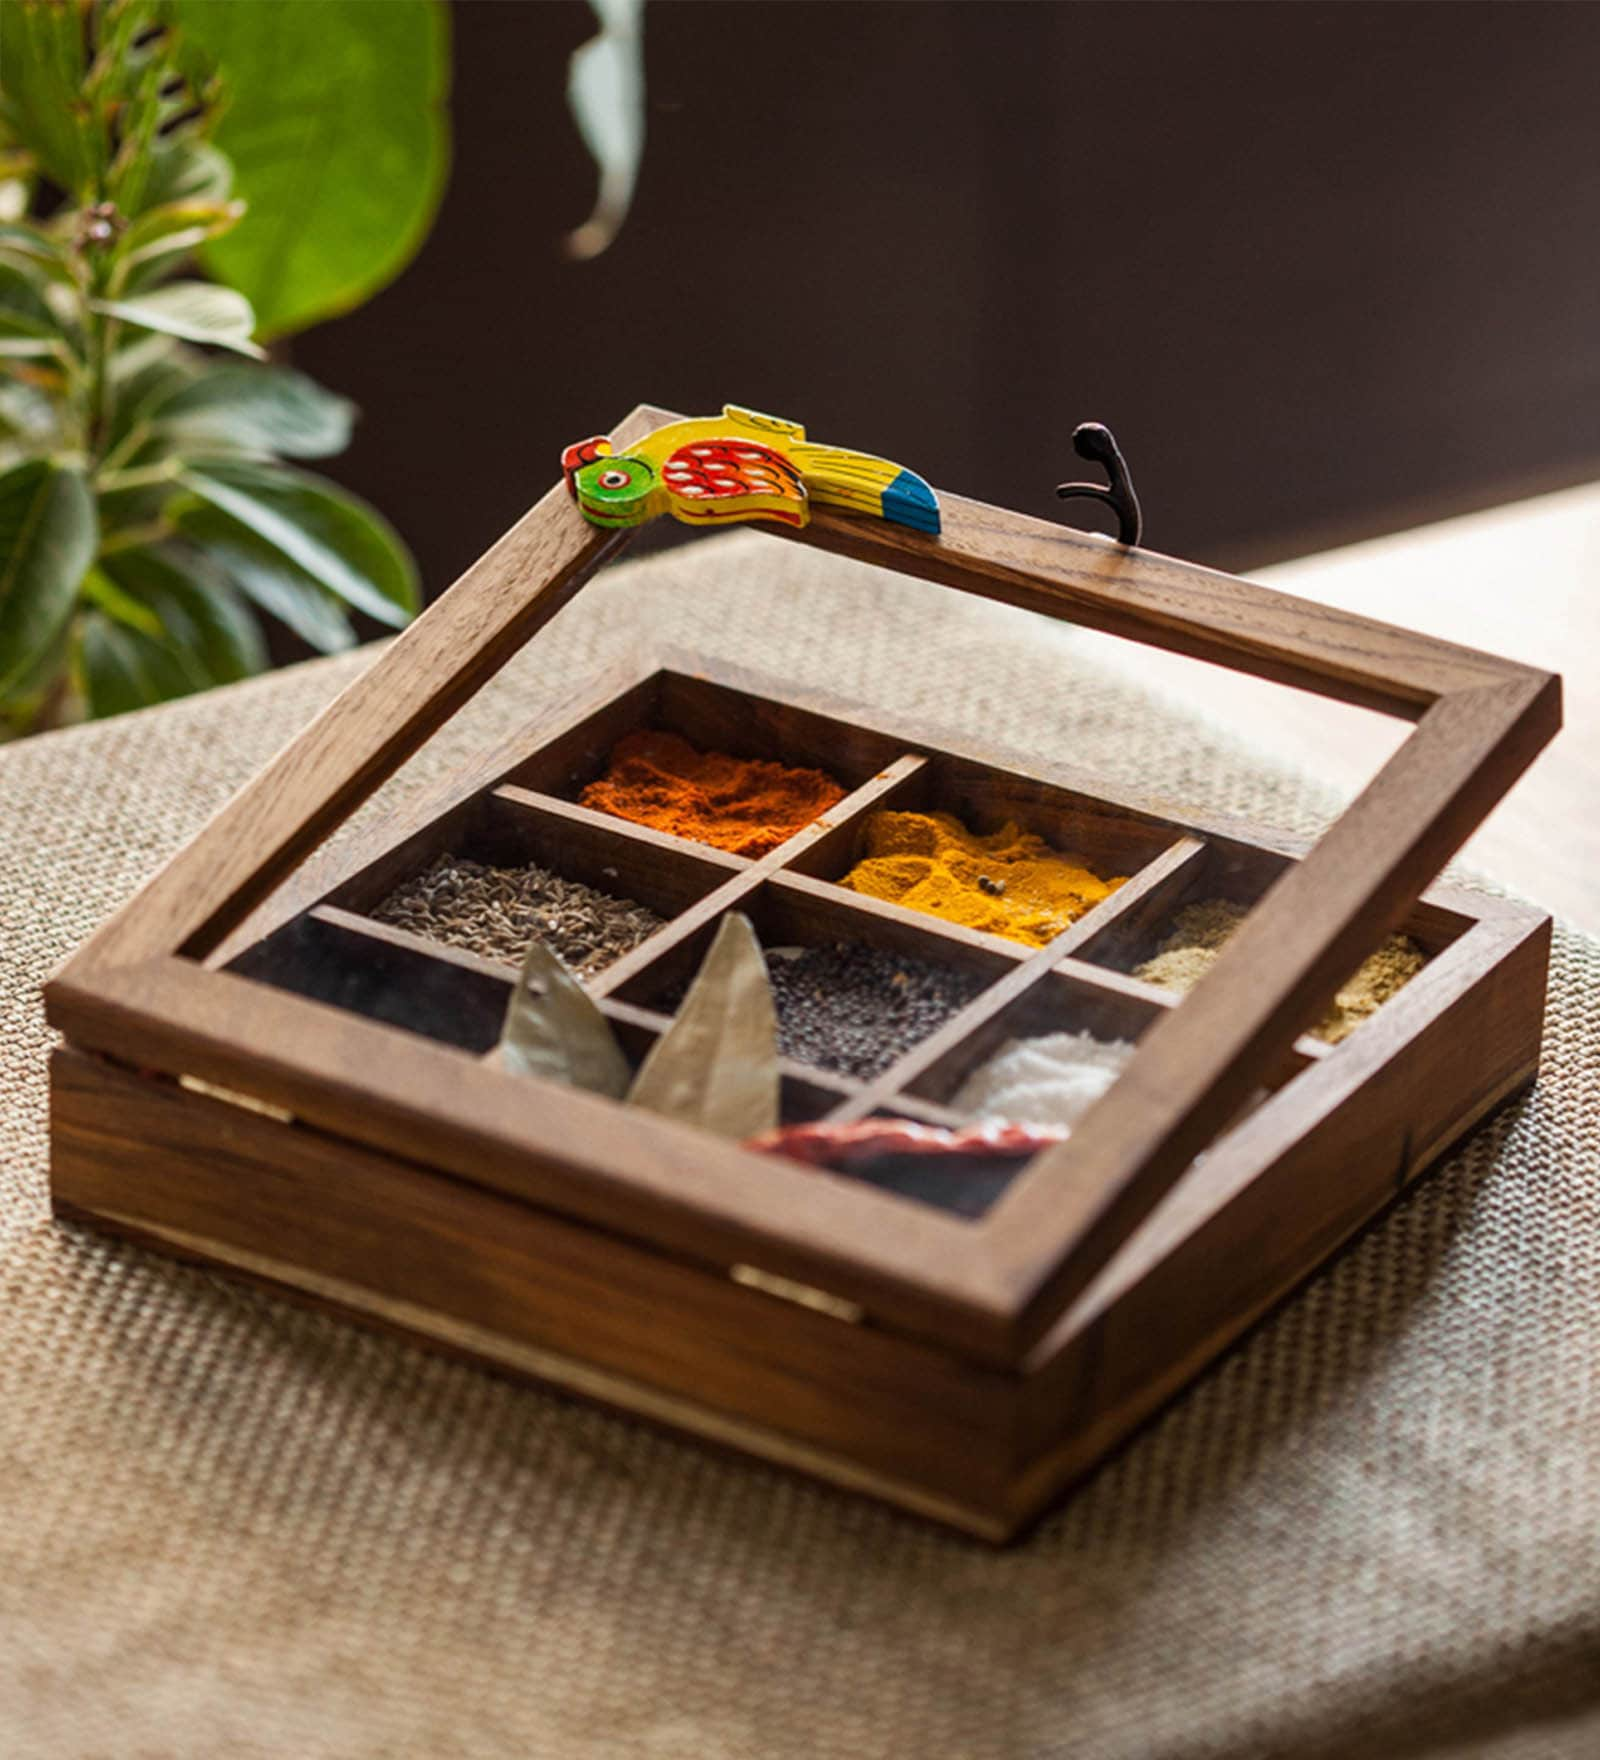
1095	441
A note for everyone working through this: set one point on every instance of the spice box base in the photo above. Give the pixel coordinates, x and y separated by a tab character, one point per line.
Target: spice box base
738	1339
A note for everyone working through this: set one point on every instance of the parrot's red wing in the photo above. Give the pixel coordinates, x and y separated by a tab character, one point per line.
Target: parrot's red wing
711	479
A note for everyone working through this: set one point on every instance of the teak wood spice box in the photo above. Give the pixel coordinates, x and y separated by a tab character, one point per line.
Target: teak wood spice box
259	1074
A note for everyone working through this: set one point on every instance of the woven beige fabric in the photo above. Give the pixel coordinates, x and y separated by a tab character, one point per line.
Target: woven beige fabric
230	1527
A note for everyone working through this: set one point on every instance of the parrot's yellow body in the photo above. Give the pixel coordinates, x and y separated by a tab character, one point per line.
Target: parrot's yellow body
717	470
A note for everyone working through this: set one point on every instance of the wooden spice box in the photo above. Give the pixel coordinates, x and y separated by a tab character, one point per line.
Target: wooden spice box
259	1074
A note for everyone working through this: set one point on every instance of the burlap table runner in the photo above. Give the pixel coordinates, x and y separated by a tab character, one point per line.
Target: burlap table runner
230	1527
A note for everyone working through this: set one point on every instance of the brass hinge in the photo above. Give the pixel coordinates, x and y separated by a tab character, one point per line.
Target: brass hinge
232	1097
786	1289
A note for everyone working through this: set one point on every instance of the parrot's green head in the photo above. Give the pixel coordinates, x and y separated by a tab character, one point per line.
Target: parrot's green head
616	491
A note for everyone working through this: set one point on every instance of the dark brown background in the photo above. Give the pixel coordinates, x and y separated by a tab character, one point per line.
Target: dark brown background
1326	269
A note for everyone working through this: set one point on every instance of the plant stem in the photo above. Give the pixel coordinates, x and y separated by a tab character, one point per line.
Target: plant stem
99	333
134	537
140	477
128	445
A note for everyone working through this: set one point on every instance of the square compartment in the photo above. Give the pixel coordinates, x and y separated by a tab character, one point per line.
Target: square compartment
712	717
789	914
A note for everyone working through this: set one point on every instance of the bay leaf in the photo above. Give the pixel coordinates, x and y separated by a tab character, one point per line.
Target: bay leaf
554	1029
716	1066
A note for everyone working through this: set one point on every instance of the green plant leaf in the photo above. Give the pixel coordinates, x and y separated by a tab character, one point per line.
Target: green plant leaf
555	1030
716	1066
187	170
605	91
31	415
131	510
120	668
198	612
28	327
193	311
42	253
173	229
143	87
137	351
42	50
334	538
100	590
47	542
337	132
140	386
257	409
26	695
269	579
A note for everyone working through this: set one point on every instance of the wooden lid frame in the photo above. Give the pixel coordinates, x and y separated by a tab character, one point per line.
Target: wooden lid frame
987	1290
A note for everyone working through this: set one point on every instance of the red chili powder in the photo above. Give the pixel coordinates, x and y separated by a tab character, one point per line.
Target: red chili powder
740	804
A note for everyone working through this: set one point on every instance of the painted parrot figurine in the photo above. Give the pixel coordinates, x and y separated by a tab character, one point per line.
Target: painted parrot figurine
715	470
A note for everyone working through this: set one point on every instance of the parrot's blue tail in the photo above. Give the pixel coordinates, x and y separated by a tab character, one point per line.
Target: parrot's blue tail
835	477
908	501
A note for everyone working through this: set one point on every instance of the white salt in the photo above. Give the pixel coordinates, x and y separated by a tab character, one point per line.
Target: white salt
1053	1079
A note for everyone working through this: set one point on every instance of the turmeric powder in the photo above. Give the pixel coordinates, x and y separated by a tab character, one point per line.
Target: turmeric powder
1008	883
1200	932
745	805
